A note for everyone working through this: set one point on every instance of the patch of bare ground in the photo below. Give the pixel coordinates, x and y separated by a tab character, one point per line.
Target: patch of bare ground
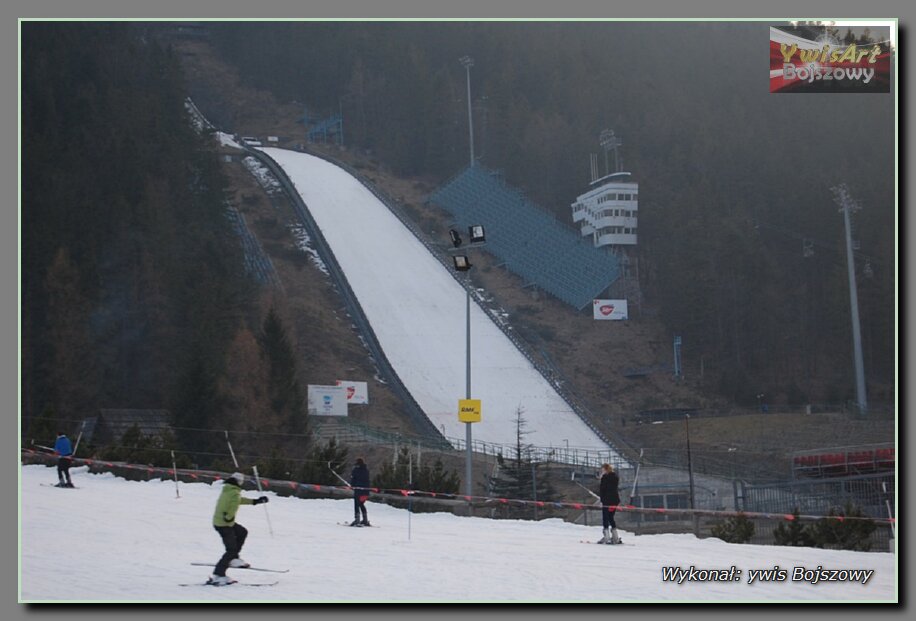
327	345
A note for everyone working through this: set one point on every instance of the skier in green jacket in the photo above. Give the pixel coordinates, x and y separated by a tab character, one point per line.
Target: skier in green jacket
232	533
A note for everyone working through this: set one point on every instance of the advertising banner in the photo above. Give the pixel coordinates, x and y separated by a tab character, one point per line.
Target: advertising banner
610	309
357	392
814	58
469	410
327	400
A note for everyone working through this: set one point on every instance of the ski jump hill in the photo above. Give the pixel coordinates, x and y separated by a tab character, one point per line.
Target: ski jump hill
417	312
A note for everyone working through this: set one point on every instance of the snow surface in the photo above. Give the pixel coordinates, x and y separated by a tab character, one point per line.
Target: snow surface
227	140
418	312
261	173
135	542
304	243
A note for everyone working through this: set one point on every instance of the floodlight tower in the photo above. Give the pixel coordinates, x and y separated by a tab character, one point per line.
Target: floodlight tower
476	238
848	204
609	141
468	62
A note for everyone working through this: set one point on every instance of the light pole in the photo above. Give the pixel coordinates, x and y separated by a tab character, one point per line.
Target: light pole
468	62
696	520
340	116
462	264
847	204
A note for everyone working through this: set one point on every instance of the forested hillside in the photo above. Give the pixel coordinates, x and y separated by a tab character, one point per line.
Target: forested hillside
734	182
133	288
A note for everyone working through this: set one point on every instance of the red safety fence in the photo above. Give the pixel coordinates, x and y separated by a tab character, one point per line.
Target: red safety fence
294	487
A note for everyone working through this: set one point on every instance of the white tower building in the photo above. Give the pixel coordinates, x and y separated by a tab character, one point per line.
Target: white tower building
609	211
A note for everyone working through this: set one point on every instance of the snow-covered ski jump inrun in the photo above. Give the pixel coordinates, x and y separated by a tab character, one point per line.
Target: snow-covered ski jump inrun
417	311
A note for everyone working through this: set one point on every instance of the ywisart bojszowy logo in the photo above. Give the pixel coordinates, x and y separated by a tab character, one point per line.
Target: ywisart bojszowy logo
824	59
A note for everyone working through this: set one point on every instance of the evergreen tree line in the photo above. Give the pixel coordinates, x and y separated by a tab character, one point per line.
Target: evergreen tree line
832	532
734	182
134	293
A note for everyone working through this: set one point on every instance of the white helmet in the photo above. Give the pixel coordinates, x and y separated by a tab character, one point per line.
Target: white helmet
237	477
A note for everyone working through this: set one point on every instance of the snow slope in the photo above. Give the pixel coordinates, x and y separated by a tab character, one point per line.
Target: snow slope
418	312
134	542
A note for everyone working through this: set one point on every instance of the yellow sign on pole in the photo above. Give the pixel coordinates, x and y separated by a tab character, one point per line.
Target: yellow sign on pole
469	410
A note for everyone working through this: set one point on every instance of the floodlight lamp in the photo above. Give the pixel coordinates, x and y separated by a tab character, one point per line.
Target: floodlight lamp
456	238
461	263
476	234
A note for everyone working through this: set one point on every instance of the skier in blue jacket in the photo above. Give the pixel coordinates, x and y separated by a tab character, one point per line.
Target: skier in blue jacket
359	481
63	449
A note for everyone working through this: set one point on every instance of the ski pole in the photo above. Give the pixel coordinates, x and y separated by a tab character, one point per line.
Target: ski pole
887	502
587	490
636	477
231	452
78	438
409	494
175	472
334	472
633	493
42	446
596	496
257	479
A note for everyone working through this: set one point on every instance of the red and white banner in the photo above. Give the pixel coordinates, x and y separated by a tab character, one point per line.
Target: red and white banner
610	309
357	392
817	59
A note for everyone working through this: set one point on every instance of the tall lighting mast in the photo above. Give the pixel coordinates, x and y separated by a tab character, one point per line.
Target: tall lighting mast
847	204
468	62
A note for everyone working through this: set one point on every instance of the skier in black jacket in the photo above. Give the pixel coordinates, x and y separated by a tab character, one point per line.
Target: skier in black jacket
610	498
359	481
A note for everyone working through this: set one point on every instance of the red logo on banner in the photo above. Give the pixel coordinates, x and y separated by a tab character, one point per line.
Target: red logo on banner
817	59
607	309
351	390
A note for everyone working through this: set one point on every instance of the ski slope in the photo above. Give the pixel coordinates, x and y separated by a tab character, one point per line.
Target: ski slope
113	540
418	312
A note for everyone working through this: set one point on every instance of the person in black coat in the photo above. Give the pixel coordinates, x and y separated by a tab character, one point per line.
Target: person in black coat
610	498
359	481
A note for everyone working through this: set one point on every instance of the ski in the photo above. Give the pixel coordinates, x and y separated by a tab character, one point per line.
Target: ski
358	525
247	584
604	544
273	571
58	485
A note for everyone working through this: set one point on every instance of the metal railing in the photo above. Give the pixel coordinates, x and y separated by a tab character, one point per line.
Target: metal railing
348	431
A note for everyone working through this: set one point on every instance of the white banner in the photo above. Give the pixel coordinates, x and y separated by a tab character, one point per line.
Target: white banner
327	400
609	309
357	392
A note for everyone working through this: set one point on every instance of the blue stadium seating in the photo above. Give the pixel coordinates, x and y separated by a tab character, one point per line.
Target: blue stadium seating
529	240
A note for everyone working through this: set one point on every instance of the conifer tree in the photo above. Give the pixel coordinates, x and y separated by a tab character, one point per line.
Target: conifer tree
793	534
737	529
518	477
285	393
838	533
320	461
437	479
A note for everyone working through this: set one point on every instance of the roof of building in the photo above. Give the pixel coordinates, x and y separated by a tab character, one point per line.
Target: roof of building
111	424
529	240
